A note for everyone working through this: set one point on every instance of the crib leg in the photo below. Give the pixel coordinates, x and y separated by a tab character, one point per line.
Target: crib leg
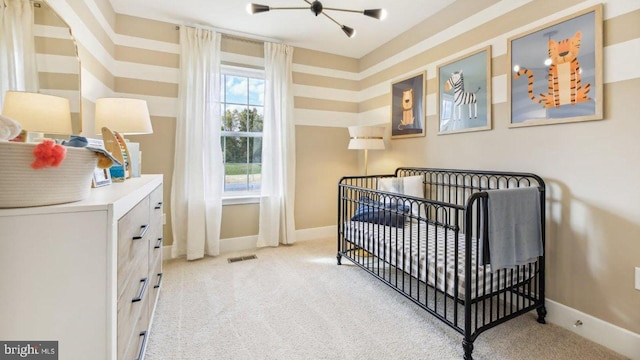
468	349
542	312
339	258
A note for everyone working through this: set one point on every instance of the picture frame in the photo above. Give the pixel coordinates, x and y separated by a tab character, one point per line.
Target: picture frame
408	112
553	87
464	93
101	177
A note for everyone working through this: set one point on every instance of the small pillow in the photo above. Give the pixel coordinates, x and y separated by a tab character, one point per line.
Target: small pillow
376	212
408	185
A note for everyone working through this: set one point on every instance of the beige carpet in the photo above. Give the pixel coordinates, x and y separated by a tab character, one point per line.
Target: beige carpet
294	302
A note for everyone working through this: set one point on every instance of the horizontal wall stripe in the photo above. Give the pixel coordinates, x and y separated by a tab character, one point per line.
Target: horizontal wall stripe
315	70
432	84
311	117
149	57
53	46
327	105
58	64
324	81
252	61
499	65
52	32
376	102
145	87
622	28
325	93
379	116
431	104
324	60
622	61
146	72
241	47
105	10
147	28
59	81
155	45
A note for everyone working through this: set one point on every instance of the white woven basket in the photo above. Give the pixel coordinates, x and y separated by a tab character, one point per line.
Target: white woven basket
22	186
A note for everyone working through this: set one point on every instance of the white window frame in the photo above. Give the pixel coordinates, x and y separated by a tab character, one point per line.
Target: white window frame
239	197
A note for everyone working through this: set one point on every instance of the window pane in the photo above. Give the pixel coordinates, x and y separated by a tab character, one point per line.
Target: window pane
236	89
255	163
256	115
235	163
256	91
235	118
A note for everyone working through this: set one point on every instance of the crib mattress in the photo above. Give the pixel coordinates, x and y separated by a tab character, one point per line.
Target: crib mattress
428	253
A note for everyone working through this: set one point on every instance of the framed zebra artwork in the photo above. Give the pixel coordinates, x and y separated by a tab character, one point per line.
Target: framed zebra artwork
555	71
408	107
464	93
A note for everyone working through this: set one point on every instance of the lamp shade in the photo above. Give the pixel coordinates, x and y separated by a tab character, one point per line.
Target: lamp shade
38	112
366	138
126	116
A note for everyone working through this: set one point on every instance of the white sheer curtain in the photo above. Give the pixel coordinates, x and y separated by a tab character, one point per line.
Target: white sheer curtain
277	223
196	205
17	49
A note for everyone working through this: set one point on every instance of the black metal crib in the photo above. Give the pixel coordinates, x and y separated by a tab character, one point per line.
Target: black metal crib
433	249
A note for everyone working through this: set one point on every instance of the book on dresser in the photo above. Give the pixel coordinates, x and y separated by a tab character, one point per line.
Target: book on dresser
87	274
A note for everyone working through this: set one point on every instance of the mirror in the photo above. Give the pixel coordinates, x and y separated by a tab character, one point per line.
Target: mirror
57	60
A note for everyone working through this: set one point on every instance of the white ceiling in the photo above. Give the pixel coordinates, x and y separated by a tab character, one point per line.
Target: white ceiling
299	28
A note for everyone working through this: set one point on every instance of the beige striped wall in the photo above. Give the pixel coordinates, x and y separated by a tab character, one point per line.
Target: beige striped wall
590	167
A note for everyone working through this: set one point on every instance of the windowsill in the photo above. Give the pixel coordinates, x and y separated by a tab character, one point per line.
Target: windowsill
241	199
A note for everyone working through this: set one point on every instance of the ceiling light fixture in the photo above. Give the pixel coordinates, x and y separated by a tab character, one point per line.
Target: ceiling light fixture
317	8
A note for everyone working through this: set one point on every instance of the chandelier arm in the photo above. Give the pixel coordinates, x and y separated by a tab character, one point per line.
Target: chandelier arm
288	8
345	10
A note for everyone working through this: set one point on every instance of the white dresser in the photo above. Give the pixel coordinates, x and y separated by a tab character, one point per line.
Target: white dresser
86	274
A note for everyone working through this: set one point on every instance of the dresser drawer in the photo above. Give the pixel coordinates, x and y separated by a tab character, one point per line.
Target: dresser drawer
132	304
155	274
132	241
156	208
139	336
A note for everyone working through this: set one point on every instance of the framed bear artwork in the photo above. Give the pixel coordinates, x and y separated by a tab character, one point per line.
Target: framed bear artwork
556	71
408	107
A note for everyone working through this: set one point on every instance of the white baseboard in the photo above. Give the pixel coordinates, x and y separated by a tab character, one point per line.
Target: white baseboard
249	242
316	233
620	340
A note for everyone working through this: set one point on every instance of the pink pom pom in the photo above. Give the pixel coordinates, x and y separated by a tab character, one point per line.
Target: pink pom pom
47	154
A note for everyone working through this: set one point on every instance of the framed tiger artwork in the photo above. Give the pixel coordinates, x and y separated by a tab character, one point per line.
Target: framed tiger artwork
555	71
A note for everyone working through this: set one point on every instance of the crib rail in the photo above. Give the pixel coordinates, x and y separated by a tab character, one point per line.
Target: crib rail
431	249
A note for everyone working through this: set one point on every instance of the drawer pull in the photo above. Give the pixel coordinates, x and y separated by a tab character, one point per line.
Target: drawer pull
159	281
142	290
159	206
143	230
158	244
142	345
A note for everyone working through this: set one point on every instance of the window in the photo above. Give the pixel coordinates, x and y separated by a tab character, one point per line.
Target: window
242	106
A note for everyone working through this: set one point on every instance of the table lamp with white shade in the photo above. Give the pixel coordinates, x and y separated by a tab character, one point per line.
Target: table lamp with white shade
38	114
127	117
366	138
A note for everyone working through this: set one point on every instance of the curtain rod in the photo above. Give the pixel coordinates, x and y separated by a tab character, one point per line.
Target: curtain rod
234	34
